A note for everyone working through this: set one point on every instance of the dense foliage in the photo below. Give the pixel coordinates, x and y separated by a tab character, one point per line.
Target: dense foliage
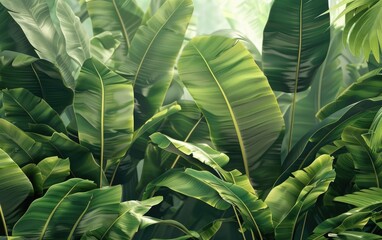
121	122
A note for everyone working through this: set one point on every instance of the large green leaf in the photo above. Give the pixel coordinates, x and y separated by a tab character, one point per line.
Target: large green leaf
235	98
103	104
128	221
76	40
82	163
69	209
296	39
367	164
367	86
34	18
22	108
38	76
116	16
17	144
329	130
153	54
218	194
15	187
290	200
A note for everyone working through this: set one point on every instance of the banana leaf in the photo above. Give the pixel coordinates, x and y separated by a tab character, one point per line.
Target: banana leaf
103	105
53	170
127	223
296	40
22	108
77	41
15	188
121	18
12	37
325	86
368	203
234	97
291	200
367	86
329	130
375	133
367	164
153	54
38	76
103	46
219	194
82	163
18	145
69	209
34	18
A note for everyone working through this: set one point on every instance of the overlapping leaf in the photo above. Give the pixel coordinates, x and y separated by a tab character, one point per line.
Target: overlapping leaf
38	76
34	18
290	200
22	108
69	209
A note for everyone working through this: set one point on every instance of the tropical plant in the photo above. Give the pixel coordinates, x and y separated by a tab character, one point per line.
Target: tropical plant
115	124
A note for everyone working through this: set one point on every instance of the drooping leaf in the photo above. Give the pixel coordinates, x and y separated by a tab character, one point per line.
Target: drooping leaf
202	152
367	164
367	86
22	108
15	187
206	187
82	163
290	200
118	17
38	76
296	39
103	104
34	18
235	98
153	54
128	221
69	209
17	144
329	130
76	40
54	170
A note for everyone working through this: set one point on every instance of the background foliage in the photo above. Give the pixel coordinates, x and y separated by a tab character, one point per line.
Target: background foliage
190	119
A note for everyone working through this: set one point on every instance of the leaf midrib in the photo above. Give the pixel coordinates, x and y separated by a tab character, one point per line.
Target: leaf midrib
232	113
